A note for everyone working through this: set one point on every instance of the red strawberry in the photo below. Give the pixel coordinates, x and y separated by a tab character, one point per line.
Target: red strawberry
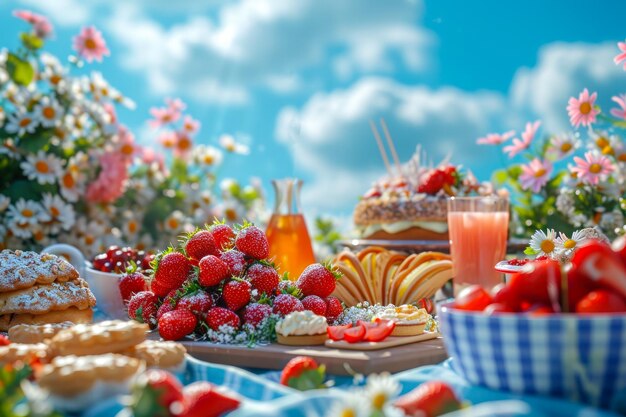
333	308
263	277
132	284
172	269
236	294
177	324
450	174
255	313
314	304
203	399
200	245
236	262
143	308
212	271
223	235
199	303
303	373
318	279
165	308
155	392
430	399
433	182
286	303
252	241
4	341
146	262
219	316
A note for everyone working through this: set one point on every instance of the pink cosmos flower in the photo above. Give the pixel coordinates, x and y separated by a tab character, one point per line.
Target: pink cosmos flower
175	104
622	56
111	182
621	100
581	110
527	137
183	145
90	44
163	116
190	125
495	138
42	26
535	175
168	139
592	167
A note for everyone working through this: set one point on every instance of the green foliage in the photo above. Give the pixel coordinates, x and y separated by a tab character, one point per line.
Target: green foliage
20	70
12	400
31	41
326	233
309	380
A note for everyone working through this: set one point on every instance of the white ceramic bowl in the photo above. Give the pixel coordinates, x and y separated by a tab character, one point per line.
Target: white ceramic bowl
105	286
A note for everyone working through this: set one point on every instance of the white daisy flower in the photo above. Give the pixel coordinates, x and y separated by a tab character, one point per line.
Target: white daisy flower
22	122
90	235
202	200
70	188
4	202
207	155
41	235
175	222
381	389
543	243
45	168
566	244
564	145
145	242
49	111
229	144
27	211
351	405
20	229
62	215
131	225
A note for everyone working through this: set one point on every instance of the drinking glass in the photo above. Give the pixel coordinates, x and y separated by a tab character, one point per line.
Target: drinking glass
478	228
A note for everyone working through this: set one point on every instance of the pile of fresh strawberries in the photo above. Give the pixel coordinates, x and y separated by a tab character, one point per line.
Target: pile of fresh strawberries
438	179
220	276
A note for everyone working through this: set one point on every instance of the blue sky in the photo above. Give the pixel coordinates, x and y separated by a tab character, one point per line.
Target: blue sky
299	80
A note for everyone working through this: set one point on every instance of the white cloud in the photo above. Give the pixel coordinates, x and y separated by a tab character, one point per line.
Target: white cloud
330	137
562	71
62	12
261	43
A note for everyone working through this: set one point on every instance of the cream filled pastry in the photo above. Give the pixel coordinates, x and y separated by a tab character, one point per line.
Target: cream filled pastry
302	328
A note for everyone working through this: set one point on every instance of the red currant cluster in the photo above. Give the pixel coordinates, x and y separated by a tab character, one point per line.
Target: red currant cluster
117	259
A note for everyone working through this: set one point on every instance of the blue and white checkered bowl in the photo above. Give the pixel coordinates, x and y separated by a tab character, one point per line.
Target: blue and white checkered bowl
581	358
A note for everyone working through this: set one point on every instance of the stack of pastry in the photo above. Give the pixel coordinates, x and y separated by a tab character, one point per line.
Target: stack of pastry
86	363
41	288
380	276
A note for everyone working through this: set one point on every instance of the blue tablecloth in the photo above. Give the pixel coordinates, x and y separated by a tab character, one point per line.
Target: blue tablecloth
264	397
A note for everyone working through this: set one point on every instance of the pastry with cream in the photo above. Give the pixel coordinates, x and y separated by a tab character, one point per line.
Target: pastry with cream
302	328
410	320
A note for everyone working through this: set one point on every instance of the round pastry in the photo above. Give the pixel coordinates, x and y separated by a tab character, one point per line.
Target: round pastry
77	382
98	338
302	328
36	333
159	354
25	353
72	314
410	320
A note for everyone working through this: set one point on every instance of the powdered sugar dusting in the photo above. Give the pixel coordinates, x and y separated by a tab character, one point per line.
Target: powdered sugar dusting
23	269
41	299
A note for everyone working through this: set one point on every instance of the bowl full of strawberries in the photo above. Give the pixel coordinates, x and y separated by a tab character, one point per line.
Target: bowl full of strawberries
554	329
105	271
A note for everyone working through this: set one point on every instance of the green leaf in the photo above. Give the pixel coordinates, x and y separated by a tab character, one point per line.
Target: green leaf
28	190
31	41
179	170
530	251
309	380
500	176
20	71
37	141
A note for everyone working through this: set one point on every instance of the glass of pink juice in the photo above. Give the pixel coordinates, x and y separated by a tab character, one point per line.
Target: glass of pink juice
478	228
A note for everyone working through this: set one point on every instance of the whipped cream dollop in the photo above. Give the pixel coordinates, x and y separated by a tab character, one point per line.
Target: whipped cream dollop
302	323
404	314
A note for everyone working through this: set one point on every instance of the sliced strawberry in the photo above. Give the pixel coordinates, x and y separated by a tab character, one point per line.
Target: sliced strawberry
378	330
430	399
354	334
601	301
203	399
601	265
336	332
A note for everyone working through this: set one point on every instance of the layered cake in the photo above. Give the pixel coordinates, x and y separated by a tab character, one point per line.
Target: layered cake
414	206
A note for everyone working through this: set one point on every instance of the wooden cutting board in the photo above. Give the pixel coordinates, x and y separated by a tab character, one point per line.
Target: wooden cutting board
275	356
387	343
